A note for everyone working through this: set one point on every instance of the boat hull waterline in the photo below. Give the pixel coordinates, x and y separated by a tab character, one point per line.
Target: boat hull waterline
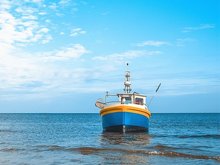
125	118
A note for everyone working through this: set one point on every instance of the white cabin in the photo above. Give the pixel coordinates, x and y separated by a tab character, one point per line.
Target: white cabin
132	98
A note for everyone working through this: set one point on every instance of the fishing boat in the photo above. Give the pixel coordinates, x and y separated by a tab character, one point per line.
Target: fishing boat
124	112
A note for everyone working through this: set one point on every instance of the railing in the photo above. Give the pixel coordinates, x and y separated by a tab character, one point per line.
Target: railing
101	103
112	102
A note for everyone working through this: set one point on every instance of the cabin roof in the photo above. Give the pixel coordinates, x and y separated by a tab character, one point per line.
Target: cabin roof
131	94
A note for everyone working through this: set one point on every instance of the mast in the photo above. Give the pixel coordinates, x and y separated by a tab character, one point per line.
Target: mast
127	82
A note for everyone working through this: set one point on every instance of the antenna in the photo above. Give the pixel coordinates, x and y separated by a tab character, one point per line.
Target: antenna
127	68
154	94
127	82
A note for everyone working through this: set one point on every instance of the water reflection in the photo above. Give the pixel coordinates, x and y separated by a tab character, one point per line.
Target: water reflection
122	148
131	139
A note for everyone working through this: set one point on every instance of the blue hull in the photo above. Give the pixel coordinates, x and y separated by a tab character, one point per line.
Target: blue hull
125	122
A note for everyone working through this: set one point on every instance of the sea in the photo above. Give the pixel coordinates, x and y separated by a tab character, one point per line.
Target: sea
68	139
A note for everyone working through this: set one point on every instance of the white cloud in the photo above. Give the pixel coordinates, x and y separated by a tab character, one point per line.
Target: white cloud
44	30
64	2
5	4
37	1
176	83
34	1
22	72
21	26
18	70
153	43
77	31
73	52
42	13
46	40
200	27
123	56
53	6
184	41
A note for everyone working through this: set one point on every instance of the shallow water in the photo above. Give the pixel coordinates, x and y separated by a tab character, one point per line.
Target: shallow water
78	139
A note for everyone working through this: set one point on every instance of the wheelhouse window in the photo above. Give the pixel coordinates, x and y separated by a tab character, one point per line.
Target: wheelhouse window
139	101
126	100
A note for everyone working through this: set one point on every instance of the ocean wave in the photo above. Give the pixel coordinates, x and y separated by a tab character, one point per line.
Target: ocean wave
163	147
49	148
214	136
7	131
90	150
96	150
11	149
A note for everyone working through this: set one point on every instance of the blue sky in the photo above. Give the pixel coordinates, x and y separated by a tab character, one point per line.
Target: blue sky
61	55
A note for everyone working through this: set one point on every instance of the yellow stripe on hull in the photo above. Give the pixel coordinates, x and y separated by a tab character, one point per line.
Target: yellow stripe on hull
125	108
